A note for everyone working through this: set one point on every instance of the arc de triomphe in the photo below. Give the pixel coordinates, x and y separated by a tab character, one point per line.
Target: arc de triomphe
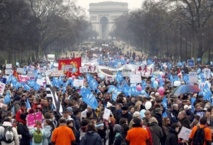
103	14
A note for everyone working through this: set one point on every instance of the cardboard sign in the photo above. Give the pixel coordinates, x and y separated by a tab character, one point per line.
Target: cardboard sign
78	83
193	77
184	133
136	78
2	87
8	66
8	71
20	70
33	118
190	62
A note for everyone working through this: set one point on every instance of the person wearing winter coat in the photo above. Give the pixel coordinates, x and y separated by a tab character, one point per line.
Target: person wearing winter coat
91	137
118	130
7	123
23	131
172	138
156	131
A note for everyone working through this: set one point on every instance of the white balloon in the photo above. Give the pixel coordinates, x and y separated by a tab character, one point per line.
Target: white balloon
148	105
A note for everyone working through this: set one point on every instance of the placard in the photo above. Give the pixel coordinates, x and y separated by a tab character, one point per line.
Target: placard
107	113
193	77
126	71
8	66
23	78
184	133
136	78
8	71
31	75
190	62
57	73
20	70
41	82
78	83
33	118
2	87
207	73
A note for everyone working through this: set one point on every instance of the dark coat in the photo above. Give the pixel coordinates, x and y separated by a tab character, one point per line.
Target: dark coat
172	138
23	130
185	122
159	119
118	139
128	116
91	138
156	132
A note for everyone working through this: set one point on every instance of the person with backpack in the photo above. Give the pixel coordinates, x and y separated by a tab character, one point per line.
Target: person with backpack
8	133
37	136
201	135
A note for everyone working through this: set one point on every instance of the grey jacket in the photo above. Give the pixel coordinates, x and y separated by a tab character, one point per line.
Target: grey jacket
157	133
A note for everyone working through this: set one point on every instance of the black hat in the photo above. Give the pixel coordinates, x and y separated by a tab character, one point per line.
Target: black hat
124	108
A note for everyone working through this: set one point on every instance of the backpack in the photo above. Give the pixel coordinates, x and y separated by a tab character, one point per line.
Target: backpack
37	137
199	136
123	142
8	135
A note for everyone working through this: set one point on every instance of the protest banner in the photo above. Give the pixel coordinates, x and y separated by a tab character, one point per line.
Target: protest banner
2	87
73	66
184	133
193	77
134	79
33	118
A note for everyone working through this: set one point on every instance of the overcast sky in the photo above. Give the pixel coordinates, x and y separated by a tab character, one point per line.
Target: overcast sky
133	4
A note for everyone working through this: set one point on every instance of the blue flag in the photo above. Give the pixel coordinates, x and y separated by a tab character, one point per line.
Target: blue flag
7	98
89	98
28	106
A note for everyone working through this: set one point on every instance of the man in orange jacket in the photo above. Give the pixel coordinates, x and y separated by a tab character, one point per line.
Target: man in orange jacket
207	138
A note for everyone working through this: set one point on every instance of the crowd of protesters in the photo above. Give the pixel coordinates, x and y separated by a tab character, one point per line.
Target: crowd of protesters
79	124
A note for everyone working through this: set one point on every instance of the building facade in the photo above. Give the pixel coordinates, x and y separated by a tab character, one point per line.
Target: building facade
102	16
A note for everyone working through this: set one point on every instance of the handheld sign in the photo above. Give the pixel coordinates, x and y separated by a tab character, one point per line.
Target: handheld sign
190	62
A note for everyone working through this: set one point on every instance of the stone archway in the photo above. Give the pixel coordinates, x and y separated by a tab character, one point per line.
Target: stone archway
104	27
